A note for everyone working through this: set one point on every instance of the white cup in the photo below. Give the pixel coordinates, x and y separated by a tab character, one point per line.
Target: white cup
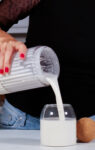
30	73
56	132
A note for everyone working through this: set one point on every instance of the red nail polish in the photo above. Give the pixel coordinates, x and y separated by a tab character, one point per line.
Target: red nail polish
6	69
22	55
1	71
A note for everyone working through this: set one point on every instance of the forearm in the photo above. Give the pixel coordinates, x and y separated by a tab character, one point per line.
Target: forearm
4	34
11	11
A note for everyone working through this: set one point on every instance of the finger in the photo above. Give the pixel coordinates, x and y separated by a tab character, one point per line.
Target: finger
1	63
2	55
21	48
8	58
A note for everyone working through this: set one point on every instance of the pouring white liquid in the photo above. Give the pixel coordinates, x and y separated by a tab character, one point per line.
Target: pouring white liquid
52	79
57	131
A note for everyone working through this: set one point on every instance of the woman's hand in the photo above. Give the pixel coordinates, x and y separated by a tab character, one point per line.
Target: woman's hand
8	46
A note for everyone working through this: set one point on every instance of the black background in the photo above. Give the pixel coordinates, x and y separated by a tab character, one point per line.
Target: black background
69	28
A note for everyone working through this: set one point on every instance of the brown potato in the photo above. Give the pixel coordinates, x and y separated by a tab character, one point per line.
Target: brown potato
85	129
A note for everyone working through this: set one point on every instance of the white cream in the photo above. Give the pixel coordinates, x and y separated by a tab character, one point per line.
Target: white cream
58	132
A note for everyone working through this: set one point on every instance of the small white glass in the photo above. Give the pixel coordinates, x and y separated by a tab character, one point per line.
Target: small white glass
56	132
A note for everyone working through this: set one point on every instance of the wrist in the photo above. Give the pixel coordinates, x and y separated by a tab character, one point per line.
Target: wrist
4	35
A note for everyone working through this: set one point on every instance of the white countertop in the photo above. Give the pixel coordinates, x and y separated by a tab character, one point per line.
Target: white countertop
30	140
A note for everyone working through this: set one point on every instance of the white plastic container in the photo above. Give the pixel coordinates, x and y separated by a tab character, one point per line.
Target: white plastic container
30	73
56	132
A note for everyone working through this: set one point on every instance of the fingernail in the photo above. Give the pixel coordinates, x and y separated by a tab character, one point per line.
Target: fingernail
22	55
1	71
6	69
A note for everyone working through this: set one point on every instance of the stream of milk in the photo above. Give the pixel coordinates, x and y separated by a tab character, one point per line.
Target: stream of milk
53	81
